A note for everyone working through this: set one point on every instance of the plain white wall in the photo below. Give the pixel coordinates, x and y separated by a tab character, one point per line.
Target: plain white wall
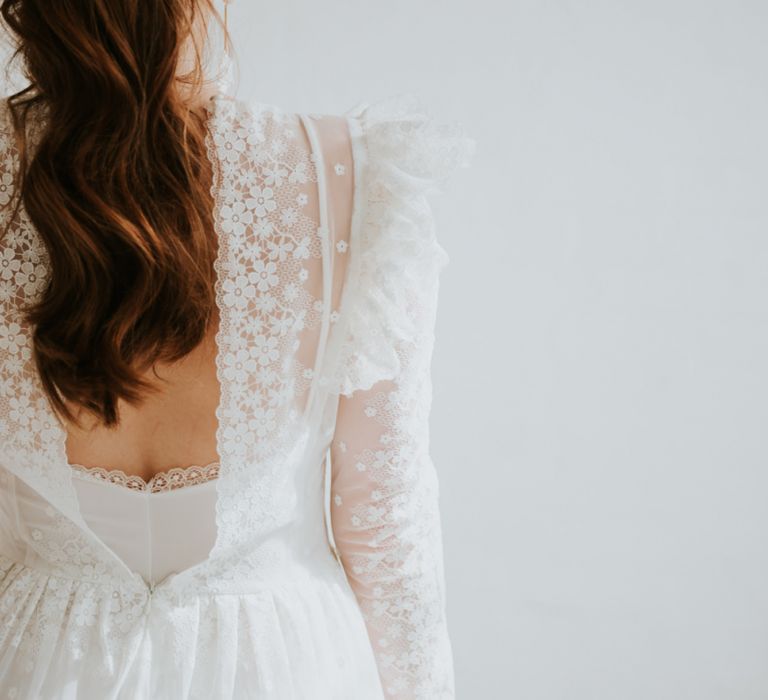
601	391
600	412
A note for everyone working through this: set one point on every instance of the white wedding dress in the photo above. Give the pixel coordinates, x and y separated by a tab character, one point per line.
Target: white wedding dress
228	580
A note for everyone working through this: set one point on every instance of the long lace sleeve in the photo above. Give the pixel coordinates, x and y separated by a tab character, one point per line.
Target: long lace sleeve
386	526
384	489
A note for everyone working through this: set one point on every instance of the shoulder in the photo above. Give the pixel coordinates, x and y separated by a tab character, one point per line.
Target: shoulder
270	129
400	128
402	153
403	132
399	139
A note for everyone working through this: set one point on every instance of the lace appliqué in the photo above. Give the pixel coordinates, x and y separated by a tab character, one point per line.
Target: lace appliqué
385	488
169	480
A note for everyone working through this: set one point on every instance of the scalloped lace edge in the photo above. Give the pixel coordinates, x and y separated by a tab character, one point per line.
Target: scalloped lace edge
176	478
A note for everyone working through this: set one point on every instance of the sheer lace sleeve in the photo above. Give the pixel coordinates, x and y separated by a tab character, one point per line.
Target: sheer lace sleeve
384	489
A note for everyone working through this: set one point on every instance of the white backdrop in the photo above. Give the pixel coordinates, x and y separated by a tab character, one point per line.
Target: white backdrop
601	391
600	412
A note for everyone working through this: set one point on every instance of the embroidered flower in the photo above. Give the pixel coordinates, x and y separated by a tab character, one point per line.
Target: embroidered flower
235	218
265	303
237	366
247	178
265	349
85	612
263	421
278	147
231	147
28	279
279	249
9	264
11	337
7	291
300	174
264	275
339	169
280	325
261	200
274	175
289	217
238	291
301	251
263	228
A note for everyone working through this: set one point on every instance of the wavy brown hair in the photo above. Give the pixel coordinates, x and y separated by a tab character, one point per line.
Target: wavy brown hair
118	189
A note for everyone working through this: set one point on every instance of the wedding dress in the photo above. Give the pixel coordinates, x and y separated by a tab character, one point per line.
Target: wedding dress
306	563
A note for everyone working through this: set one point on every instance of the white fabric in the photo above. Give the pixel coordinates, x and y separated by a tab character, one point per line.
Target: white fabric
154	533
327	289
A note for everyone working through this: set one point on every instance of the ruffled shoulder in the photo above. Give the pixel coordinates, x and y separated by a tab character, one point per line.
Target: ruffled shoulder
402	154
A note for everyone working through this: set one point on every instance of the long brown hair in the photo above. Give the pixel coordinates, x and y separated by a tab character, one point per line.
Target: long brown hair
119	190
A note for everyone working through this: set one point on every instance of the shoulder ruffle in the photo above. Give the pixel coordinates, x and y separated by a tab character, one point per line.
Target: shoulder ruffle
401	155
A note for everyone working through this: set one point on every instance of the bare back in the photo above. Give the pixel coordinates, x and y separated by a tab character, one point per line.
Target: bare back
175	426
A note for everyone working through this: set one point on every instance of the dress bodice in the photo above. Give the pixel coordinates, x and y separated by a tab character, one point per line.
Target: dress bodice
223	582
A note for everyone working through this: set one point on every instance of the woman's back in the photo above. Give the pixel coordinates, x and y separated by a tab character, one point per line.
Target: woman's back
281	263
270	213
319	354
173	428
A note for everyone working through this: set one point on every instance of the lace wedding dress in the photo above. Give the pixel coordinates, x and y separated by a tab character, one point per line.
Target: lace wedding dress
228	580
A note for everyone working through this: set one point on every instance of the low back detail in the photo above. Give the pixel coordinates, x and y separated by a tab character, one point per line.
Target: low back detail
326	289
156	533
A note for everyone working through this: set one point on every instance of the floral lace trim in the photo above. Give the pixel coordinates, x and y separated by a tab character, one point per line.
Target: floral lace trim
176	478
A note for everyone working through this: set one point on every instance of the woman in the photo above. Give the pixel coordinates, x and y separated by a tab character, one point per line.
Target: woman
207	307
